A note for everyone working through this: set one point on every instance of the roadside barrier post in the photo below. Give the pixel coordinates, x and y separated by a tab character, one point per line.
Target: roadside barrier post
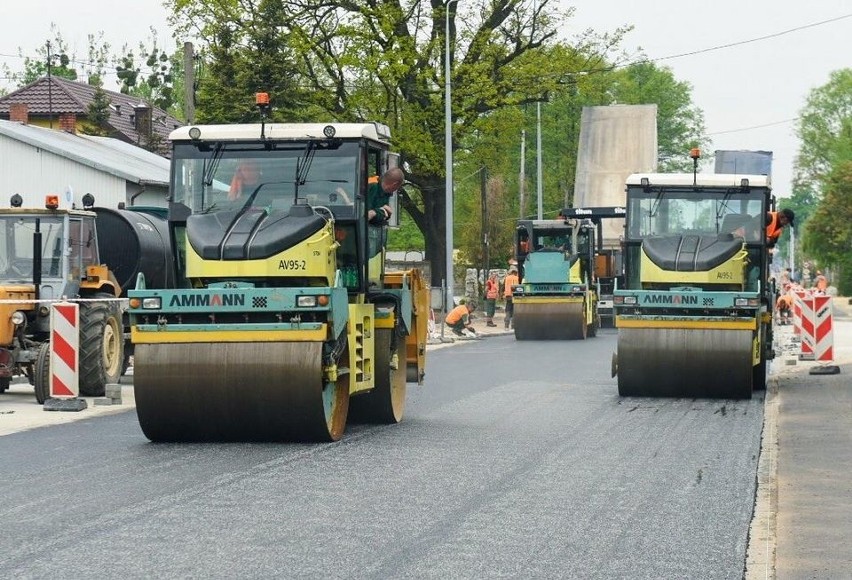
823	337
64	358
806	305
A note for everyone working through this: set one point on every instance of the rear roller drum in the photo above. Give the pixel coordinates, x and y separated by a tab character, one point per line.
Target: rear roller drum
386	402
238	392
549	321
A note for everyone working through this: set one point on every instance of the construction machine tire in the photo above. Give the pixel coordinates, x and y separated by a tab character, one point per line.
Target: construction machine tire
549	321
592	331
101	346
692	363
5	383
385	404
240	391
759	375
41	373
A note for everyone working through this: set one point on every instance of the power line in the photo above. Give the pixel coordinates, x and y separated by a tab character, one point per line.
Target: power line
750	40
785	121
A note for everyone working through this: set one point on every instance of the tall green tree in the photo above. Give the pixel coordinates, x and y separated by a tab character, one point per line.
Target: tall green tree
53	55
384	61
825	129
828	235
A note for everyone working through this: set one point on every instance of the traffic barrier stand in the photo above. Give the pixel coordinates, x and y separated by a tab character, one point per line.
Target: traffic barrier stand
823	337
798	296
64	358
807	326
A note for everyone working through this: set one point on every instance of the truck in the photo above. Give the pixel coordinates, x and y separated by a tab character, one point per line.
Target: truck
287	325
49	254
694	315
556	296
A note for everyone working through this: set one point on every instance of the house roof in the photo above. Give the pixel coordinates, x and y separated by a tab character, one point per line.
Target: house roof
106	154
57	95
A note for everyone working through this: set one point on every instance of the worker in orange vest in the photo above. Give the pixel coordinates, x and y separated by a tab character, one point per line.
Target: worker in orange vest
783	306
492	291
458	318
510	281
820	282
775	223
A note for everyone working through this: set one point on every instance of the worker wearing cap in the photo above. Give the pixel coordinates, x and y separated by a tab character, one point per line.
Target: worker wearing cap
775	223
510	281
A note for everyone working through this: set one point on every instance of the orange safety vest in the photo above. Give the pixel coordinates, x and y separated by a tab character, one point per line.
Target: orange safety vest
491	289
456	314
511	280
774	229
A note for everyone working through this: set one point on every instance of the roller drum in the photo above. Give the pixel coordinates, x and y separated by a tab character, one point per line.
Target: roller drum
696	363
549	321
237	392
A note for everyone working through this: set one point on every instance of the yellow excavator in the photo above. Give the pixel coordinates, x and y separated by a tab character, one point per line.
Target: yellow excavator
286	324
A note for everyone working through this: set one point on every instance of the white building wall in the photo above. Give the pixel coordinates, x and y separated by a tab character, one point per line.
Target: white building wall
34	172
615	141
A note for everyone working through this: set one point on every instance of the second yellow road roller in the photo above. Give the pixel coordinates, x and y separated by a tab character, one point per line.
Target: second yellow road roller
694	314
286	324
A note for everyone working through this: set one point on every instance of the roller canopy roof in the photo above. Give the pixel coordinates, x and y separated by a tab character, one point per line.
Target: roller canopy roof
702	179
283	131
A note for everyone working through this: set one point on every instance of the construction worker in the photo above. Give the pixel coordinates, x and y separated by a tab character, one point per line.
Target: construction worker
775	223
458	318
783	306
379	193
492	291
820	282
510	281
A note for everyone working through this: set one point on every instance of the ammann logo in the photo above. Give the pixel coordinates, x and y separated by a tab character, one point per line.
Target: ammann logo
670	299
192	300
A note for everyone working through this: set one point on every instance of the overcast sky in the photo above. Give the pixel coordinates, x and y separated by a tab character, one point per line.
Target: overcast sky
750	93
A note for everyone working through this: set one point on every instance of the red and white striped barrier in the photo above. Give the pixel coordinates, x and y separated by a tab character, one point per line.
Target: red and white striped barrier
64	350
823	335
805	304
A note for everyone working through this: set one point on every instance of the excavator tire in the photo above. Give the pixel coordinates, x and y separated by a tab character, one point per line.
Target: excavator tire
385	404
237	391
685	362
101	346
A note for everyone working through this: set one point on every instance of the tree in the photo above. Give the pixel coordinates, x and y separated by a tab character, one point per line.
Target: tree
825	129
384	61
152	74
53	52
828	235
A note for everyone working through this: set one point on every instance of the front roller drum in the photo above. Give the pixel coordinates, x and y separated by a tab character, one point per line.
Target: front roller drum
684	362
237	392
549	321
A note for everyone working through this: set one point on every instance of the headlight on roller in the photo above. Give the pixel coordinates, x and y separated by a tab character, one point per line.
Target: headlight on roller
306	301
154	303
18	318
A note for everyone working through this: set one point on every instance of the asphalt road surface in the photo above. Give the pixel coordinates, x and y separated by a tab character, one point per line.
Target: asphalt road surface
515	460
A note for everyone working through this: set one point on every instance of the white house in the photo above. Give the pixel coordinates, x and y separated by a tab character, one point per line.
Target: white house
35	162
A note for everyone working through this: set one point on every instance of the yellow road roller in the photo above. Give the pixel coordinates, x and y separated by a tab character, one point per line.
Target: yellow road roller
286	324
694	313
556	298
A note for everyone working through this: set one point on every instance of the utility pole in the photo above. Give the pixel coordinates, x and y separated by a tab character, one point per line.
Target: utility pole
523	177
483	175
189	82
538	162
49	86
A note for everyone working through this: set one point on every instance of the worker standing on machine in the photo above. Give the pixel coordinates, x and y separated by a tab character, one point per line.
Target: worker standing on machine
378	196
